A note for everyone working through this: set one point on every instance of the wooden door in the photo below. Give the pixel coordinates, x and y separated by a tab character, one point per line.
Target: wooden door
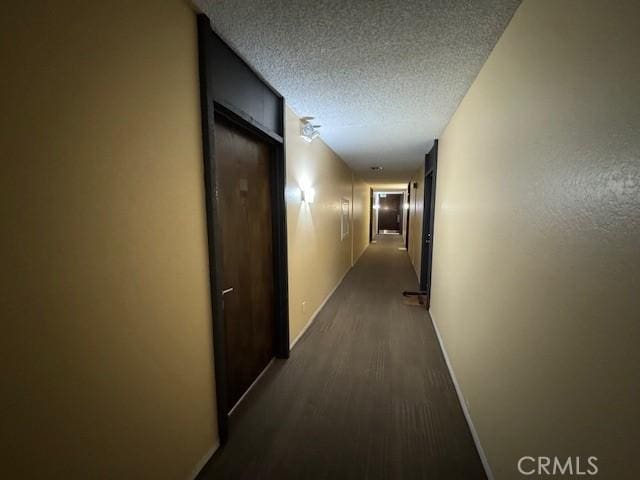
406	232
244	212
427	234
390	213
428	219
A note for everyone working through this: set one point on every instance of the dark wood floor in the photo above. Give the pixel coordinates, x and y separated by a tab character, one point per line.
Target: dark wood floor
365	394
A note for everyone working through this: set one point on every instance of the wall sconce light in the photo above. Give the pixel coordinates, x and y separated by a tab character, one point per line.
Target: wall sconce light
308	195
406	205
308	131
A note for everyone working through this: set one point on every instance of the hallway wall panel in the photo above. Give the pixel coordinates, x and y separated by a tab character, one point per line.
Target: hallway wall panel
106	348
318	257
536	265
361	211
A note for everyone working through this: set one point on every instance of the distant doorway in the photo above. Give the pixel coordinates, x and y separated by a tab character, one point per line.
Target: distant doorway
390	213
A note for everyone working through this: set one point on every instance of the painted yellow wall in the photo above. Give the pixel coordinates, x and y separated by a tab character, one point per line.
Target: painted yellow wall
106	364
416	203
361	211
536	283
318	258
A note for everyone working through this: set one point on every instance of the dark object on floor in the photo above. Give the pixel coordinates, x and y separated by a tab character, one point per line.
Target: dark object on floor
417	299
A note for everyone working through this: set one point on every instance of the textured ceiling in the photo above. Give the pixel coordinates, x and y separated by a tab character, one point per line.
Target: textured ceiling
382	77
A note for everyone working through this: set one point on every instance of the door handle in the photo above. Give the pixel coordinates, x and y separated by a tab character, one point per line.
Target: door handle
227	290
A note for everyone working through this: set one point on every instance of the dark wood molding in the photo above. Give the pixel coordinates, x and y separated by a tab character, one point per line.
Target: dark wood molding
243	120
370	215
408	214
428	216
241	57
230	88
208	142
279	222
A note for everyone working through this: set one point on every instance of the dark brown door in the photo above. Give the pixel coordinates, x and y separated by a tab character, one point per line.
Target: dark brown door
428	216
244	204
390	213
406	231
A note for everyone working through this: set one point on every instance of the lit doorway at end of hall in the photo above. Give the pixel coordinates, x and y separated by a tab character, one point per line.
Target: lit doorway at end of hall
389	212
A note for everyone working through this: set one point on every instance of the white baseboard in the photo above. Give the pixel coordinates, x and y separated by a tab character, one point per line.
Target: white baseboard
203	461
463	404
315	314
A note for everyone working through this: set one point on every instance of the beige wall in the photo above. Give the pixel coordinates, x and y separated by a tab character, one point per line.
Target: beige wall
318	258
361	211
536	265
416	203
104	293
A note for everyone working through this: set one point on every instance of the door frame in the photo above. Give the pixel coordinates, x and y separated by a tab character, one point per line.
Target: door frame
217	59
370	214
400	209
428	217
408	211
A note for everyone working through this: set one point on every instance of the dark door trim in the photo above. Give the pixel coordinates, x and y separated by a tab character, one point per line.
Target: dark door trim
226	82
428	215
370	215
406	237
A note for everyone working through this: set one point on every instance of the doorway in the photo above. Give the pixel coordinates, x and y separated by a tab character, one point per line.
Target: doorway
406	230
370	215
428	212
390	213
244	200
244	176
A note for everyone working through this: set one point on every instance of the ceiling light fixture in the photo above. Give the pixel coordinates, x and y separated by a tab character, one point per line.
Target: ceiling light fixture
376	169
308	131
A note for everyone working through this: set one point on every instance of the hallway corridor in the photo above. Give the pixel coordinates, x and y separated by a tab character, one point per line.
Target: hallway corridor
365	393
